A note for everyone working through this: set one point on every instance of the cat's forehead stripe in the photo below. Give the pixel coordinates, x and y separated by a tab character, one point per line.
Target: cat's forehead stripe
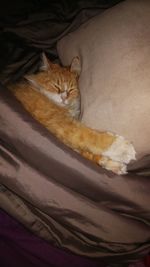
65	87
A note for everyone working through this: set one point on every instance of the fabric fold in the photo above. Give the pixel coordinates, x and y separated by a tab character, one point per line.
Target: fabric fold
80	206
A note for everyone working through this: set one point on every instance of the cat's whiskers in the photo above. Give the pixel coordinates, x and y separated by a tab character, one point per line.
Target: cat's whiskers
50	95
54	97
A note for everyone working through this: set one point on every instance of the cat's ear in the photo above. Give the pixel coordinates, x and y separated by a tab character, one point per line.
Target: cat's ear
45	65
76	66
31	80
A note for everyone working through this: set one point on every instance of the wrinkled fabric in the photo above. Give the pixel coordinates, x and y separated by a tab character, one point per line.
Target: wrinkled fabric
58	195
28	27
143	263
25	249
87	210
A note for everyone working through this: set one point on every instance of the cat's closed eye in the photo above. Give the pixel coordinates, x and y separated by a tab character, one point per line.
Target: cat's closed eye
71	90
58	89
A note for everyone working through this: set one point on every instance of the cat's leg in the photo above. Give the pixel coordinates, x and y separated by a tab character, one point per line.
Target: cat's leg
115	156
90	156
108	150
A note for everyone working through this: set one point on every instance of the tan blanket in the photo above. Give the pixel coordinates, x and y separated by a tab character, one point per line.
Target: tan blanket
66	199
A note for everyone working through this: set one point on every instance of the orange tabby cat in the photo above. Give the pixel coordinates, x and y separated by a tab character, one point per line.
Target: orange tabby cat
52	97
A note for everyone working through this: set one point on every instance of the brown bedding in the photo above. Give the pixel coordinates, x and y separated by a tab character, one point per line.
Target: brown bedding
66	199
56	193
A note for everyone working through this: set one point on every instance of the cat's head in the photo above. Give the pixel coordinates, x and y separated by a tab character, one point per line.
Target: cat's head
59	84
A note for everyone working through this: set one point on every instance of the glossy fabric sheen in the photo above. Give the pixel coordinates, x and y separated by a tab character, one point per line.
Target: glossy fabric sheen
70	201
27	250
50	189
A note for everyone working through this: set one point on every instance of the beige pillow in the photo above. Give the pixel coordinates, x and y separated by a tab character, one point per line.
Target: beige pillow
114	48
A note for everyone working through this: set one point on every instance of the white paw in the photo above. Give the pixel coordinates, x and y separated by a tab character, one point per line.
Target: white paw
114	166
121	151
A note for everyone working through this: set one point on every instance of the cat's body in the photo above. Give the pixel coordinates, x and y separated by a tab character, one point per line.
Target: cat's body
52	97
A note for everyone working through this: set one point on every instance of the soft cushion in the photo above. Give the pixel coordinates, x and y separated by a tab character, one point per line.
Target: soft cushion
114	49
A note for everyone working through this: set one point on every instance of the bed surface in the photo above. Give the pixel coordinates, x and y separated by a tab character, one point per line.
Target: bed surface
50	189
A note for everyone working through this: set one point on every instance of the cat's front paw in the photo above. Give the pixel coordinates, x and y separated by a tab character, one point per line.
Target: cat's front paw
121	150
118	155
114	166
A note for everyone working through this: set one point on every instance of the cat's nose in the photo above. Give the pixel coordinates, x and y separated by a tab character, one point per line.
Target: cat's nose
64	96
